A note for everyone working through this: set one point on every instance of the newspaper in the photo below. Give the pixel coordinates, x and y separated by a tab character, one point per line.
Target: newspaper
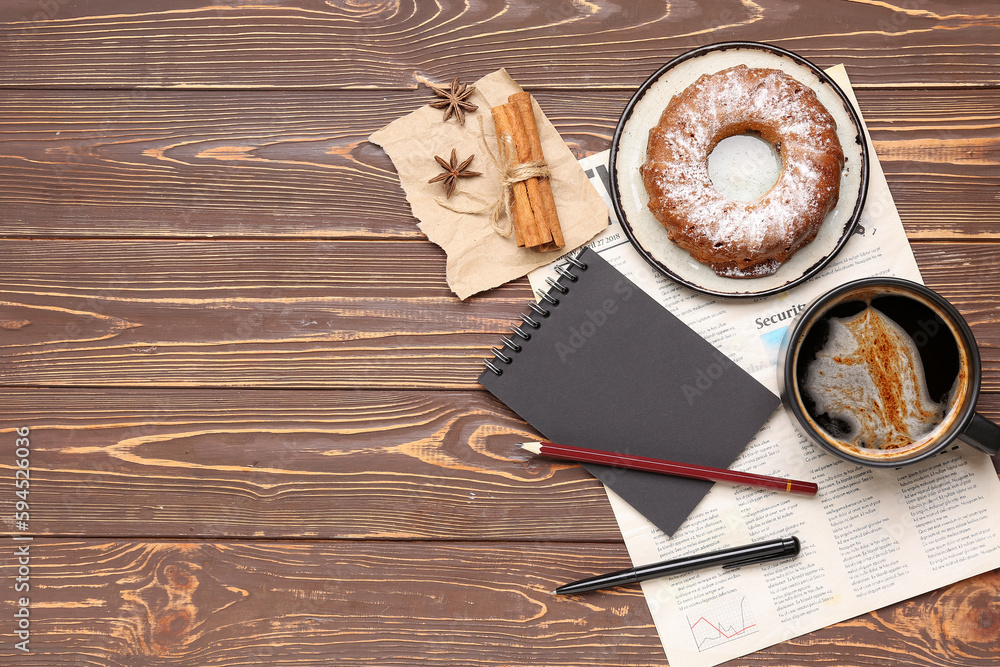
871	537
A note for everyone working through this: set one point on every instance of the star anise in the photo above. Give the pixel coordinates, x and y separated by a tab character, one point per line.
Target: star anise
454	100
453	171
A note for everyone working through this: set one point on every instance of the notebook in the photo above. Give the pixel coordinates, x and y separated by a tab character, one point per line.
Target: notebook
598	363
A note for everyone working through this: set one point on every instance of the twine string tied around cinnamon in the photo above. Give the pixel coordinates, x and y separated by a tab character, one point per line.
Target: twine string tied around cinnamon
511	172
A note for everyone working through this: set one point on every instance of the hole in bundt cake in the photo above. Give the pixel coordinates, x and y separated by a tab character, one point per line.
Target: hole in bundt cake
744	167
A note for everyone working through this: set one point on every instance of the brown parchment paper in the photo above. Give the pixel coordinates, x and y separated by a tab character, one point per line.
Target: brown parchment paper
478	257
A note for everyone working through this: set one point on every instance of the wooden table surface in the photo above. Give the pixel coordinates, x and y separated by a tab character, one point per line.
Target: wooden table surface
256	435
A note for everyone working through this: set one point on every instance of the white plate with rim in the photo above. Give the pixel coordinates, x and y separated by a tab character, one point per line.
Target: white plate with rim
628	152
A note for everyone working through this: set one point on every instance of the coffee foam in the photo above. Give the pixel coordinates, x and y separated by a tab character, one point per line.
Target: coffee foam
868	377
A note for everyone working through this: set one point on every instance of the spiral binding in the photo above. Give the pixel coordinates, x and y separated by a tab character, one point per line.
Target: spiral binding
541	311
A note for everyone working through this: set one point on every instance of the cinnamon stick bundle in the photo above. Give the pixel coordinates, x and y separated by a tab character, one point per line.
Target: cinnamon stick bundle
533	208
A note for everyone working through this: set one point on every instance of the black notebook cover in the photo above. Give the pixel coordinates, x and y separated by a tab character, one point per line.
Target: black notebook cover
610	368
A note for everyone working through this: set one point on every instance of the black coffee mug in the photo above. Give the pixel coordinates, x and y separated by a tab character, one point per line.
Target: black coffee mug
884	372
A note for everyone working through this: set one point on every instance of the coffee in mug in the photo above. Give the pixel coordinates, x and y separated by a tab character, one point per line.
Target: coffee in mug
884	371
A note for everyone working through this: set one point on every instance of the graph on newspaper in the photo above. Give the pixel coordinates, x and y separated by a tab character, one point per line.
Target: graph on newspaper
726	619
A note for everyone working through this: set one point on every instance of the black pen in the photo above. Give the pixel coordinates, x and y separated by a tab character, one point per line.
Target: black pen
760	552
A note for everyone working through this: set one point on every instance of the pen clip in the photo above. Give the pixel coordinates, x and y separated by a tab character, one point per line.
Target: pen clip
756	559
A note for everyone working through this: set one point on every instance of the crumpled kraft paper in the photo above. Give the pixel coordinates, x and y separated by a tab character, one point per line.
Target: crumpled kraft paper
478	257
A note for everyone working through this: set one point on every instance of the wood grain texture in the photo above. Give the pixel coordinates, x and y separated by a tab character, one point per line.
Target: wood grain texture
228	464
290	314
231	164
122	604
940	152
311	44
296	464
301	314
222	326
281	464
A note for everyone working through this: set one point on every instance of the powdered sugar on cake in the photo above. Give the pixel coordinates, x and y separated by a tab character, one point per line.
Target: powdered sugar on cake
738	238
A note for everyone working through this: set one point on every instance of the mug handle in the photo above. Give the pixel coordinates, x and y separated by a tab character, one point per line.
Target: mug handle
982	434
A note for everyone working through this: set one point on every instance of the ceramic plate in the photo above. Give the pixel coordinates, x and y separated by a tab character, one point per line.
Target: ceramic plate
628	152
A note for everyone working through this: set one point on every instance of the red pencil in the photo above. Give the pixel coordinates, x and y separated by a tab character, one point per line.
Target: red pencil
584	455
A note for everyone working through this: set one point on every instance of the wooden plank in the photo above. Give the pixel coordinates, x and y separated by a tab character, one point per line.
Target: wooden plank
283	464
295	44
183	163
233	313
300	314
213	464
224	164
941	157
120	604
